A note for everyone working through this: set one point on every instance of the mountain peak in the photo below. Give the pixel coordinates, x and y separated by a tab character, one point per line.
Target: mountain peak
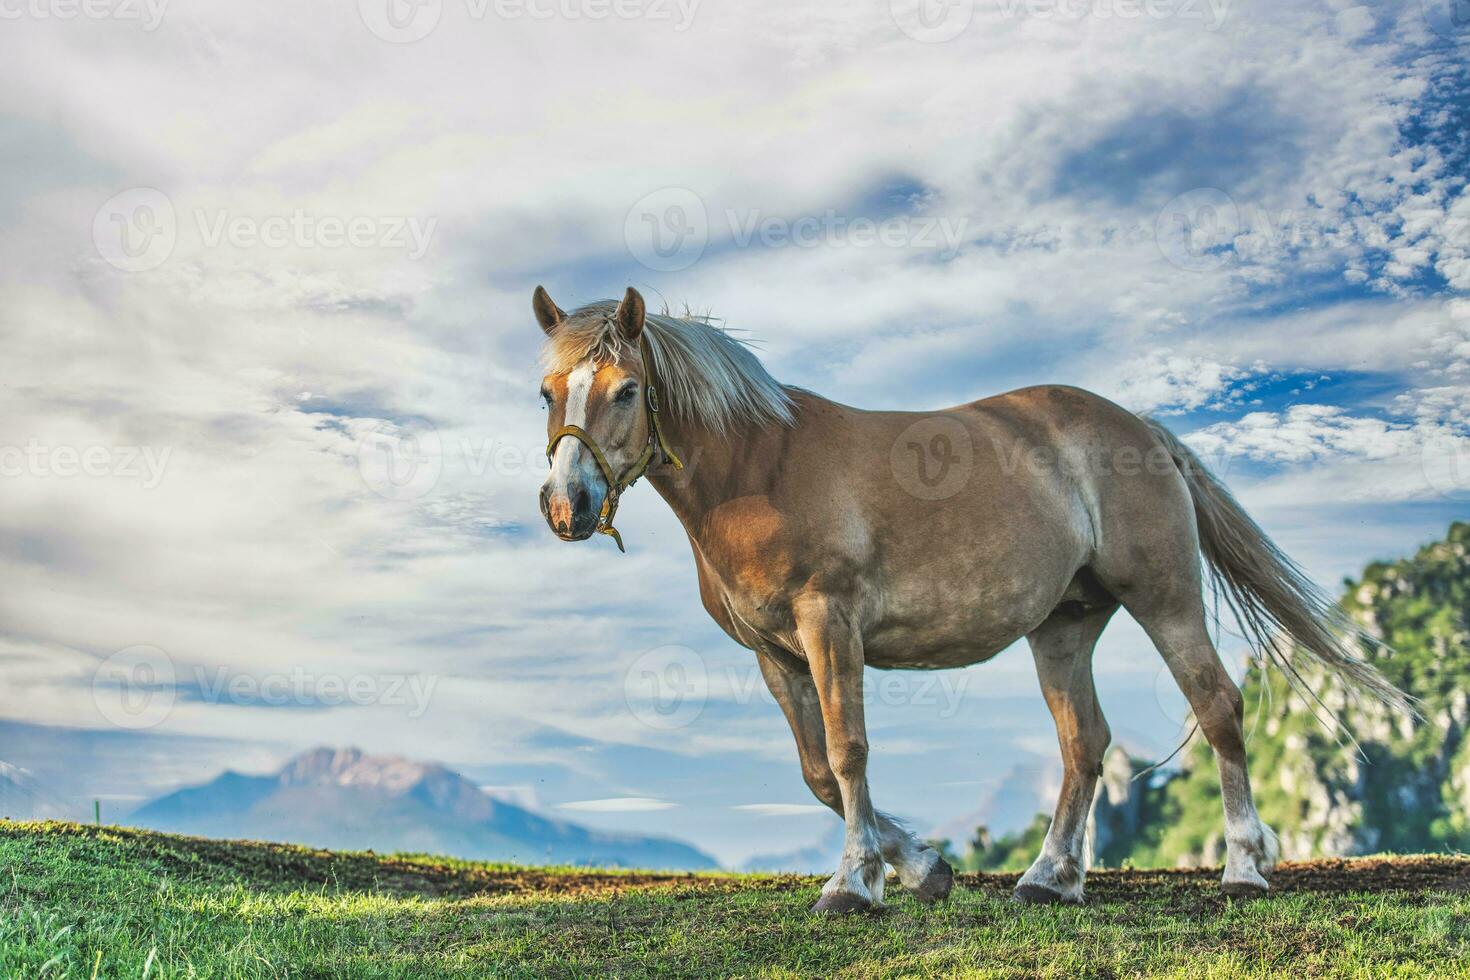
354	767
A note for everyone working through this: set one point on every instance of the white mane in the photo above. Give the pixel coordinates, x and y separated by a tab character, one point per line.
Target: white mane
704	375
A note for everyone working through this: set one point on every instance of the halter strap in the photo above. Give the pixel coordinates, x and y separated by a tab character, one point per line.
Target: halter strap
616	484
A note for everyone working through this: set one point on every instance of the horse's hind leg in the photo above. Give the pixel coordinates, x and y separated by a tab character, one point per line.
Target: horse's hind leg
1062	647
920	868
1178	629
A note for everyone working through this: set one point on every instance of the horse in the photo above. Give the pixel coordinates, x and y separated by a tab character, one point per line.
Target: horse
827	538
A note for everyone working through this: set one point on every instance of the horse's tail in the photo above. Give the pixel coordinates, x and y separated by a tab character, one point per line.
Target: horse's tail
1268	592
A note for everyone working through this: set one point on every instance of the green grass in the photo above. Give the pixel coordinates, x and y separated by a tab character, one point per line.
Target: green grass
82	901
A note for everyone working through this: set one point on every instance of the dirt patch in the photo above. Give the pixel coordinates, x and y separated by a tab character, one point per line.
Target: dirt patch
291	866
1330	876
369	872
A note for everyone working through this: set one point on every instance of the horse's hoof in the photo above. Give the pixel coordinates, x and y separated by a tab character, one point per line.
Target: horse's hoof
1030	894
1244	889
937	885
842	903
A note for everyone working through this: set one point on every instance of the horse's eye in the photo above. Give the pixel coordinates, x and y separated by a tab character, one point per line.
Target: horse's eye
626	394
545	398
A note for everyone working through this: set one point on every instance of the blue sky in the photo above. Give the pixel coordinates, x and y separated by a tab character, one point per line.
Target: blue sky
271	431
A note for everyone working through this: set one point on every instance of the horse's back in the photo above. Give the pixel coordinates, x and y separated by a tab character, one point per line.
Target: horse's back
1066	414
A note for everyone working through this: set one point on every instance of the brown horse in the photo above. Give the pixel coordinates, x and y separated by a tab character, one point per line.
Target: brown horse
828	537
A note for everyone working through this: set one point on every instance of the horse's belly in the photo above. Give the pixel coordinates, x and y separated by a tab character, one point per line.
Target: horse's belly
929	627
932	657
933	648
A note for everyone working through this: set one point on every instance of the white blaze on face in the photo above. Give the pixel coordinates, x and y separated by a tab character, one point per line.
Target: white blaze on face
571	457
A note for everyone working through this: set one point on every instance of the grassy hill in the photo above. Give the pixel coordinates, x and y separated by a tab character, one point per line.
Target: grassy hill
109	902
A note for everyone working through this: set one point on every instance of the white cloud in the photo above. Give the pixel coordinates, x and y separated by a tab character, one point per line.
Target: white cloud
624	804
1303	433
782	809
1167	384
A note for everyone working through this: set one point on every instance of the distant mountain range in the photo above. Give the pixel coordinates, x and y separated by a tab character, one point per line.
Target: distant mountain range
819	857
1029	788
23	798
346	799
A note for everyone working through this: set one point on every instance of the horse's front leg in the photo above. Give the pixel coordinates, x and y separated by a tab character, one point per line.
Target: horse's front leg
834	652
919	866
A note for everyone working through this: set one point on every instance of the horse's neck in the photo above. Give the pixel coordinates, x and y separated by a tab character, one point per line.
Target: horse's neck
693	491
717	467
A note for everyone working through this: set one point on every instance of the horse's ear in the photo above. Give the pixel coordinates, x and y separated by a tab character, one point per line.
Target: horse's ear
547	312
629	315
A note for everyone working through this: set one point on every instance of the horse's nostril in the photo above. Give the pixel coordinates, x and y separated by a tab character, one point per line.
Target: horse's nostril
545	502
580	502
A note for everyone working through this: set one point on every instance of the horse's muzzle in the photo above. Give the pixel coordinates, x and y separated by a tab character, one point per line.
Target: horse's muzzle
571	513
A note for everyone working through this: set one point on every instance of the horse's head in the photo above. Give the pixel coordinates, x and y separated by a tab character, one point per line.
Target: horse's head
600	420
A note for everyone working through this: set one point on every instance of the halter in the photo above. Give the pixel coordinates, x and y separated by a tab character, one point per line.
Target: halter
616	485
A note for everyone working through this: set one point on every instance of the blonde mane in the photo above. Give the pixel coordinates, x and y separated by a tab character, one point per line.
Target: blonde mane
705	376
